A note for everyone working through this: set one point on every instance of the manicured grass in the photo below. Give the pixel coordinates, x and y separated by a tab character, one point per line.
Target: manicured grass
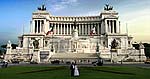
62	72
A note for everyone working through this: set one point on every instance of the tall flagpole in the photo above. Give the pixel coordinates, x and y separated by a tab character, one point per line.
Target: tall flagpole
127	36
127	28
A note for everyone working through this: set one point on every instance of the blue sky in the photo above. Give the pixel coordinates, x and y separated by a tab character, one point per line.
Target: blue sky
14	14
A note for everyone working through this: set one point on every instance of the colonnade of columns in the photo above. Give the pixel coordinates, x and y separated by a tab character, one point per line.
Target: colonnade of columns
83	28
112	26
39	26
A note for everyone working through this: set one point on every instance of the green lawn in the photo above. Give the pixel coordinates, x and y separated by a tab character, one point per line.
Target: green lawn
61	72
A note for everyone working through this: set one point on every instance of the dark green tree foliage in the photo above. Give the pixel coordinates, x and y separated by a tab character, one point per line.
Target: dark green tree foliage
12	45
1	52
4	47
146	49
136	46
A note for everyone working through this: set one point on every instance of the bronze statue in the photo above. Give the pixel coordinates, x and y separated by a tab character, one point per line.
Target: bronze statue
75	24
114	44
42	8
36	44
107	7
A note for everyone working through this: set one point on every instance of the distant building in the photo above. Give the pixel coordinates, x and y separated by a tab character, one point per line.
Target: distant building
79	38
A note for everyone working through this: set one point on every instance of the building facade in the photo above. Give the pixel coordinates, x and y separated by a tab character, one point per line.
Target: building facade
80	38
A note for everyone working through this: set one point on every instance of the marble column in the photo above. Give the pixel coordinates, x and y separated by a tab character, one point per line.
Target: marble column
79	29
40	29
41	26
100	28
67	28
44	26
33	26
73	26
88	29
36	26
92	26
113	26
70	28
82	25
61	28
85	29
110	29
39	23
64	29
57	28
106	26
97	28
54	29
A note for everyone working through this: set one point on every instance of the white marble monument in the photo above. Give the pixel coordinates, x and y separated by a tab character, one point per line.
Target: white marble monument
67	38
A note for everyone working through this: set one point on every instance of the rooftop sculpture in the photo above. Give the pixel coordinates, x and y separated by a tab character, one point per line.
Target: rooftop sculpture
108	7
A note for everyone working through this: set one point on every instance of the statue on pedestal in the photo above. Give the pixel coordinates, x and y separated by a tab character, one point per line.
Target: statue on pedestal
9	44
75	31
36	44
114	44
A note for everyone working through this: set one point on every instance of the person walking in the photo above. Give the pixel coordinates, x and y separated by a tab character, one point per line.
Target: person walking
72	67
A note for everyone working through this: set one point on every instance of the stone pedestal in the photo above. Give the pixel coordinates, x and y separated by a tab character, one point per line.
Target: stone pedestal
8	55
114	56
36	56
142	56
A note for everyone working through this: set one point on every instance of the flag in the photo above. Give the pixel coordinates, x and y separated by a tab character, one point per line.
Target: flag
50	30
92	31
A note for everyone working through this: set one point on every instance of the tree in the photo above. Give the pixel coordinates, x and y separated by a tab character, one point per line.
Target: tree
4	48
12	45
146	49
136	46
1	52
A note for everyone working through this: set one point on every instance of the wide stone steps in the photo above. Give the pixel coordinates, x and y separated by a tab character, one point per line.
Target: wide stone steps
73	55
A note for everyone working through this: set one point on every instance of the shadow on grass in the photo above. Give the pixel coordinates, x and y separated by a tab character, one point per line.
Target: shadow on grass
110	71
43	70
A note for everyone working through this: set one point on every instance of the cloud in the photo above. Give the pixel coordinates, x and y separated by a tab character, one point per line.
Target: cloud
61	4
